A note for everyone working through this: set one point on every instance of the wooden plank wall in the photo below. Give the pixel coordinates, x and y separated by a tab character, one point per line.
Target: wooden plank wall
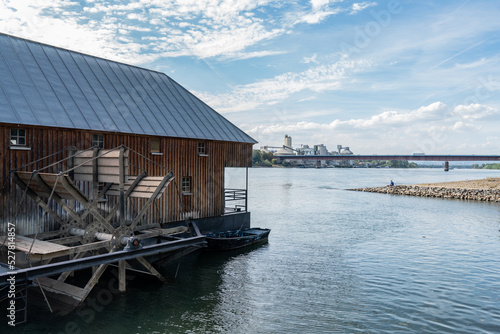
179	155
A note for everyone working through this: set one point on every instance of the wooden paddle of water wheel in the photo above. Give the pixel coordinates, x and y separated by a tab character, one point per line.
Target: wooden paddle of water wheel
92	193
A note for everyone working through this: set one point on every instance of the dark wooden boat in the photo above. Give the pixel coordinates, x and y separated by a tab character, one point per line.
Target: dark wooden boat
228	240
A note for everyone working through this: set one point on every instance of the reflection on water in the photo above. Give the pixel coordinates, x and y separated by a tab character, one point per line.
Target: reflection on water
337	261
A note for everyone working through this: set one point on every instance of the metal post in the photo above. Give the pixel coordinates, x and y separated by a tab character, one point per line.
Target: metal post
246	191
122	186
95	177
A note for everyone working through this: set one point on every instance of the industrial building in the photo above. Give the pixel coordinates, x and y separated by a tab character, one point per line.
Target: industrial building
304	149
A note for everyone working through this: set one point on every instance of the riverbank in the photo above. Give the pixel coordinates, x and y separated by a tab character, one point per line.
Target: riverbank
487	190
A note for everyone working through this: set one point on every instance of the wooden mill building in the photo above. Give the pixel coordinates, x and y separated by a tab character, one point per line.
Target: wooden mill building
54	101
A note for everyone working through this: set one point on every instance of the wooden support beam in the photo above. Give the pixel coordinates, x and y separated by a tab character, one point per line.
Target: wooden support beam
58	199
66	240
92	246
122	283
151	269
93	280
195	229
70	187
36	198
127	193
66	274
105	189
135	183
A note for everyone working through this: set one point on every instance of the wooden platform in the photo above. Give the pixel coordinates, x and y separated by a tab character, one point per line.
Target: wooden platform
46	250
40	247
64	298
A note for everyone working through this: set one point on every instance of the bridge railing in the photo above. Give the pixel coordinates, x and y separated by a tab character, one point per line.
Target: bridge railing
235	200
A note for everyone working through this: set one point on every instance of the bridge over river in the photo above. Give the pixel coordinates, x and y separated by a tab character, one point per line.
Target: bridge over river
422	157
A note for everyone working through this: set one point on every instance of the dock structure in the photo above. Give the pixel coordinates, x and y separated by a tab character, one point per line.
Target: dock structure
105	163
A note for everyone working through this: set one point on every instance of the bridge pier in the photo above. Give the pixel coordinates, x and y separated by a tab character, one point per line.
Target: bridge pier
446	166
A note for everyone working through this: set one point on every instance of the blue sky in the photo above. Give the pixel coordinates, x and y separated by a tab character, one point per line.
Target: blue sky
395	76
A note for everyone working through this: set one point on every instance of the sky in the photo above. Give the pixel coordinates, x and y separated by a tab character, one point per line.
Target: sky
381	77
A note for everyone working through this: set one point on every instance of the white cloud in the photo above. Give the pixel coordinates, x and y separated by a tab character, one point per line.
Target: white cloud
196	28
271	91
317	16
358	7
462	127
312	59
317	4
252	54
320	10
32	20
429	128
207	28
474	111
427	113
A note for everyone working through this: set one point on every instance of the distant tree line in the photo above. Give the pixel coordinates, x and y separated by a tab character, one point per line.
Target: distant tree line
393	164
486	166
263	159
400	164
266	159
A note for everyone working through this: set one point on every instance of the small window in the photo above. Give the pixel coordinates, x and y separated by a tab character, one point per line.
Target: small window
201	148
18	137
186	184
98	141
155	145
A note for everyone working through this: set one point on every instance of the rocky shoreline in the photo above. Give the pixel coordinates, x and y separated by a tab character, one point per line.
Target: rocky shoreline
487	190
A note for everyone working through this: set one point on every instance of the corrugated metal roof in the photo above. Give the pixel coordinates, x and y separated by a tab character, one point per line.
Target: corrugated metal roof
48	86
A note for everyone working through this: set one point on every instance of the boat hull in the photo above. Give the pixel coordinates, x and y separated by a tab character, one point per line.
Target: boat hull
229	240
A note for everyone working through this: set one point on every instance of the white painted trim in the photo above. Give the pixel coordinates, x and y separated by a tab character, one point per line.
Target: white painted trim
20	148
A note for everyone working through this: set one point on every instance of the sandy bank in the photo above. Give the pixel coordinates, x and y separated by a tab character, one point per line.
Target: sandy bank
478	190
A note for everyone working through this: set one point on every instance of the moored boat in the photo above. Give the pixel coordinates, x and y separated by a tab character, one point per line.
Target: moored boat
228	240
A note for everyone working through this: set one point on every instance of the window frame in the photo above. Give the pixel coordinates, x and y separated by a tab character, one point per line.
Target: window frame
16	146
155	151
99	142
202	149
17	137
186	190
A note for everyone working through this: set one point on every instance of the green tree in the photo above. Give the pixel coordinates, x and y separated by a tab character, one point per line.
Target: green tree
256	157
267	156
266	163
491	166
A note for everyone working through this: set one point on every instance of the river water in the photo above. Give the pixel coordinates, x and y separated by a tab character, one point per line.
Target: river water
337	261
